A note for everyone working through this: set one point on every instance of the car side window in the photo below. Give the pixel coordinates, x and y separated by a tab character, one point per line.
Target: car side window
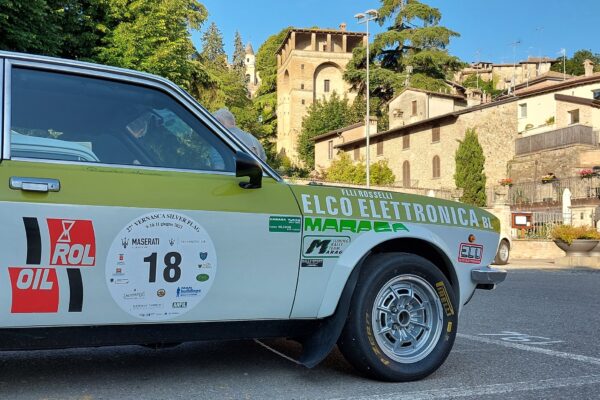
59	116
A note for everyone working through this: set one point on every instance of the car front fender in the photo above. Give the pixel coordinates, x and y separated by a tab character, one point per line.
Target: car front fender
358	250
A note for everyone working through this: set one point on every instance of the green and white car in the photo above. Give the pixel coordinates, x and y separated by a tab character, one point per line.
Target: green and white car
131	216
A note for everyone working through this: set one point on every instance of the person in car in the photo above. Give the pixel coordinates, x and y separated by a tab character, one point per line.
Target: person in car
224	116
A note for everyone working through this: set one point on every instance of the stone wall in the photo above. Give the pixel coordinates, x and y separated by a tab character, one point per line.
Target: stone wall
564	162
522	249
497	131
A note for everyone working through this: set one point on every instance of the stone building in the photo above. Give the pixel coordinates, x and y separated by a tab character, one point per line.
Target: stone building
413	105
252	75
504	74
310	66
326	144
550	127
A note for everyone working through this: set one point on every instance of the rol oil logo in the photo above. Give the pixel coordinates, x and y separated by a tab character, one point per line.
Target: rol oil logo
34	290
72	242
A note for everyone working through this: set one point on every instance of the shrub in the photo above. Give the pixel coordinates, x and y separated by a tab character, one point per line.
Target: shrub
568	233
344	170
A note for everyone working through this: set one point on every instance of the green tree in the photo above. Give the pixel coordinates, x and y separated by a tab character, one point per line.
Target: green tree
381	173
344	170
265	102
83	25
473	81
213	50
239	55
414	39
574	65
154	36
322	116
469	174
266	62
29	26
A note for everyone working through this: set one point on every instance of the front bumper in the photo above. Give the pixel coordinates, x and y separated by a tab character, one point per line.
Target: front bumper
487	278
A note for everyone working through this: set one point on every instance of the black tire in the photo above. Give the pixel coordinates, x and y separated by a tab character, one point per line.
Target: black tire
503	253
363	348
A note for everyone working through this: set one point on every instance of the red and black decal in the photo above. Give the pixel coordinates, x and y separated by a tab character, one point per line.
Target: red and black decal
75	290
470	253
36	289
72	242
34	241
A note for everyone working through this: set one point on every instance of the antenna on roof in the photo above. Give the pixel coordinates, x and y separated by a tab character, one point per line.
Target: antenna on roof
563	51
514	78
477	53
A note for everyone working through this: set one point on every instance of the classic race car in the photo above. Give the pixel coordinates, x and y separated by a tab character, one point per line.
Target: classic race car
131	216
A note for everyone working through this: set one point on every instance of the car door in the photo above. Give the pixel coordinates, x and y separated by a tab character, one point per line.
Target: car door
120	204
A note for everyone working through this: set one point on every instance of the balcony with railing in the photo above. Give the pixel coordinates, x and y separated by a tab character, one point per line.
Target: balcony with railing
551	192
571	135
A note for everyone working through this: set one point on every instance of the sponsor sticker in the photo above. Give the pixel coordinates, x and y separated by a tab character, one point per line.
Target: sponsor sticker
470	253
179	304
324	246
284	224
160	253
72	242
312	263
34	290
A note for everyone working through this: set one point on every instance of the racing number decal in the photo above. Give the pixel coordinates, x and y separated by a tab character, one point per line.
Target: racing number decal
160	266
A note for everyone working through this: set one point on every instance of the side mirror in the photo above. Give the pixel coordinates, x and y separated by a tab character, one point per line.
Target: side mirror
248	166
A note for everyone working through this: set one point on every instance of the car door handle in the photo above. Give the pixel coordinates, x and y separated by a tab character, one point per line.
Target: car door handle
34	184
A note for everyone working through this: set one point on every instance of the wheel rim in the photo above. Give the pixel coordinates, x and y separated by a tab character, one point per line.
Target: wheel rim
407	318
503	252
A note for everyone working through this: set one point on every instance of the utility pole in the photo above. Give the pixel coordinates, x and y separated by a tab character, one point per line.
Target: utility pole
477	69
514	79
564	53
365	17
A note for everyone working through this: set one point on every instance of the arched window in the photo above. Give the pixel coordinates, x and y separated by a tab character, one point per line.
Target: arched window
406	174
436	166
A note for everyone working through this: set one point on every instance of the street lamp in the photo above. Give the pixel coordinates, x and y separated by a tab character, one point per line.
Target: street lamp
365	17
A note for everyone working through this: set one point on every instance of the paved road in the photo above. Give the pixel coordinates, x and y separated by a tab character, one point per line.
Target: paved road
534	337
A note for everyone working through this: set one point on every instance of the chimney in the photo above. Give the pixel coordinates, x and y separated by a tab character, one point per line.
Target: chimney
475	97
343	27
588	67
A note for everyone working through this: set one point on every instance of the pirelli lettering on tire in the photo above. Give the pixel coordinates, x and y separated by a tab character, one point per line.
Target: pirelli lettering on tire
443	293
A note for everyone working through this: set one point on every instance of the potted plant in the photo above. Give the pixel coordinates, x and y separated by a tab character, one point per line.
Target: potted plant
506	182
549	178
575	240
586	173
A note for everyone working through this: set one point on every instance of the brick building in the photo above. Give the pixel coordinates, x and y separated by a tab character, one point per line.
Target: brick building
310	66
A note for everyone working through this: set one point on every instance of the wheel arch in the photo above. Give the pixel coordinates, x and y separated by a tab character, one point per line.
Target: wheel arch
420	241
336	302
425	249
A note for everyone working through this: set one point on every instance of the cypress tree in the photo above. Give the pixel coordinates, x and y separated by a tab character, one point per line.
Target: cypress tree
212	47
239	54
469	174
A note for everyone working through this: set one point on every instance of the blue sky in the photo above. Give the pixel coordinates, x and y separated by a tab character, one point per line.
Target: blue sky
487	27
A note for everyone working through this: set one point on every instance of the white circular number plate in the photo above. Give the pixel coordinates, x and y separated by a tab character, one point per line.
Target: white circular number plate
160	266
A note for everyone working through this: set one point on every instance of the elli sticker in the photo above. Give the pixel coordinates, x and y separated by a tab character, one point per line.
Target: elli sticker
153	266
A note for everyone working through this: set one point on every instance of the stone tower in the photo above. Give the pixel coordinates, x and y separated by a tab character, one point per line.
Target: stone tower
252	76
310	66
